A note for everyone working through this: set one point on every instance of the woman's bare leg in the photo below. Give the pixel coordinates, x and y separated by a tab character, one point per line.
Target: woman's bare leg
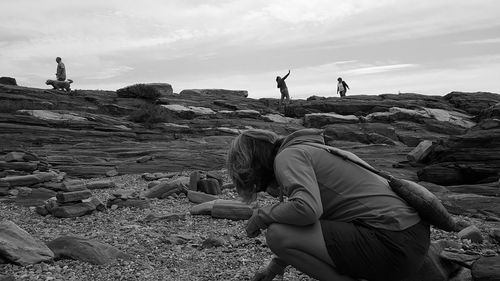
304	248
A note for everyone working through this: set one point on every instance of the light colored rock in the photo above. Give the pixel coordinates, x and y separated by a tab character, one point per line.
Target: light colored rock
318	120
19	247
277	118
54	116
453	117
397	113
420	151
99	206
229	130
194	109
164	189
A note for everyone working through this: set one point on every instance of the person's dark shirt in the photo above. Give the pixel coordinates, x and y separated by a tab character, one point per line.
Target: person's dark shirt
281	82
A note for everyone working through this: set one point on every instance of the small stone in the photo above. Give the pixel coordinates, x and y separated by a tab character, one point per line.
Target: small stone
210	186
194	178
472	233
41	210
112	173
114	207
212	242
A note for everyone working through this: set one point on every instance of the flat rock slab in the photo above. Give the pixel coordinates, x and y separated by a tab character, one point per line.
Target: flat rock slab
486	269
200	197
91	251
34	197
19	247
73	211
73	196
165	189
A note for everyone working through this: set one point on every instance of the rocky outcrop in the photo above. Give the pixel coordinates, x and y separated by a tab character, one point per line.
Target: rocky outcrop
472	103
164	89
465	159
8	81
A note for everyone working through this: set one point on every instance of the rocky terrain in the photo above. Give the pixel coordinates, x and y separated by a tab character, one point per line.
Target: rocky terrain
125	172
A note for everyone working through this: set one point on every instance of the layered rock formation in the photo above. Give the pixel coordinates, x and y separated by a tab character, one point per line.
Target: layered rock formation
96	133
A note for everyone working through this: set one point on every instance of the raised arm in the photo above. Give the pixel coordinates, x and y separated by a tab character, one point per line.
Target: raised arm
286	75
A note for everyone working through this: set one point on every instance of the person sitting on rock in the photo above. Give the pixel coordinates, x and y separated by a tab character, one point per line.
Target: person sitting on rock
340	222
283	89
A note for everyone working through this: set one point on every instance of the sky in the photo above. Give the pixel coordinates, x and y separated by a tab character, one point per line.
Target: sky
429	47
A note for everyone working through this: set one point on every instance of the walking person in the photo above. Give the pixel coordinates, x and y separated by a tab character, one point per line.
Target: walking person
61	70
340	222
285	96
342	87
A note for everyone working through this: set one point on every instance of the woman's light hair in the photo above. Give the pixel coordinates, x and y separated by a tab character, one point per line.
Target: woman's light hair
250	161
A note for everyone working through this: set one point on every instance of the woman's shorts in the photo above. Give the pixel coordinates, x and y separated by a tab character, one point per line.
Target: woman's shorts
375	254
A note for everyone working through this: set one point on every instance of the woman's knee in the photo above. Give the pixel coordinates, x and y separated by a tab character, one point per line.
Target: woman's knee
276	237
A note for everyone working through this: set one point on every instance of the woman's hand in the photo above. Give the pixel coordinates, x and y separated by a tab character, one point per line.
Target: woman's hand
254	225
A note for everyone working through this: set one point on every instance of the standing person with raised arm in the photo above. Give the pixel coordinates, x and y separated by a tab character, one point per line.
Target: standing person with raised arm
283	89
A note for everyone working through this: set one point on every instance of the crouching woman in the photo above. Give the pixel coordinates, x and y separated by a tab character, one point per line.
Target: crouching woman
340	222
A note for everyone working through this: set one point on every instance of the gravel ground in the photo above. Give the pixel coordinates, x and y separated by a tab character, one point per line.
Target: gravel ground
155	257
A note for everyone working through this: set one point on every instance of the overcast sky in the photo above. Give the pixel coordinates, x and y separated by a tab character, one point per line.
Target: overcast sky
378	46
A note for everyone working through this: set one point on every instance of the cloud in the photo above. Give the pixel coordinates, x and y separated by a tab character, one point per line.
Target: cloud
480	41
379	69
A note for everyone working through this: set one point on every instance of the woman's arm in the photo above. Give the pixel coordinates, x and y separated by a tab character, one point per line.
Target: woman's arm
295	173
286	75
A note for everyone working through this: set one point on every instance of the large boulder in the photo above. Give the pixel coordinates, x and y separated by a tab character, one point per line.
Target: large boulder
19	247
472	103
91	251
164	89
8	81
